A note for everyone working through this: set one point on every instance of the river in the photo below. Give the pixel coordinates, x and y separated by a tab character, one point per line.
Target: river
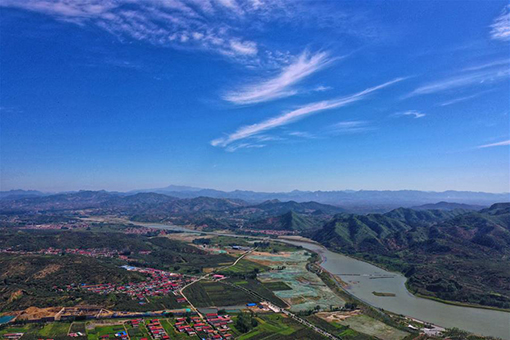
364	278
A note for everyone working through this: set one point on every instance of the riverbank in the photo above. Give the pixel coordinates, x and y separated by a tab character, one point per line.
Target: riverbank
411	291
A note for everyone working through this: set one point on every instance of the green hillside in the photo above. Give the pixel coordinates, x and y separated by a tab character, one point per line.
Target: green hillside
33	280
451	255
289	221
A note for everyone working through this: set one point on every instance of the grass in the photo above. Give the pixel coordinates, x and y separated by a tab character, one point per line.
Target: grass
383	294
54	329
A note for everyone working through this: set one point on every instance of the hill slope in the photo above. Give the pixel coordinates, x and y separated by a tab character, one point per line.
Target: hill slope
451	255
289	221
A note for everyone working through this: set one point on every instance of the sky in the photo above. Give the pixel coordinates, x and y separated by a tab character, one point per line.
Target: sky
265	95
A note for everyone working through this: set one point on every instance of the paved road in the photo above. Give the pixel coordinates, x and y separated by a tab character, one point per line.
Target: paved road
181	291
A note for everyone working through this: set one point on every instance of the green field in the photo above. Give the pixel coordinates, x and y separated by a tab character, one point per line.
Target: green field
276	326
277	285
261	289
54	330
370	326
204	294
98	331
244	267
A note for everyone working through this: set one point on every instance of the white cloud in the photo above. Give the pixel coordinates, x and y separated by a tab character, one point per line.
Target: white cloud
503	143
302	134
501	25
322	88
233	148
188	24
410	113
470	79
461	99
488	65
280	86
292	116
246	47
224	27
349	127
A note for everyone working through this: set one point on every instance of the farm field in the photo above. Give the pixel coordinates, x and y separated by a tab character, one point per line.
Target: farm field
276	327
370	326
244	267
55	330
361	323
262	289
205	294
306	289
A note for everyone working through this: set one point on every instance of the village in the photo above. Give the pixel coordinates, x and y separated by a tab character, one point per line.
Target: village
159	282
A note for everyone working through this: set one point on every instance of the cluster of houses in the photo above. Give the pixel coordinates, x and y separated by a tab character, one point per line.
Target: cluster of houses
156	330
143	231
78	225
215	326
159	282
220	322
13	336
120	335
92	252
271	232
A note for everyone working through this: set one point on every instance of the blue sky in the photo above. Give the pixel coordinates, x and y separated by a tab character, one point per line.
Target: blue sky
255	94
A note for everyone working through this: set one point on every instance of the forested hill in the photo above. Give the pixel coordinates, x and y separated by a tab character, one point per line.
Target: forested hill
452	255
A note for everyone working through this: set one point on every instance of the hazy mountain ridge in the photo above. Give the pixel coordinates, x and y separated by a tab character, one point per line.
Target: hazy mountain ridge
449	206
397	198
359	201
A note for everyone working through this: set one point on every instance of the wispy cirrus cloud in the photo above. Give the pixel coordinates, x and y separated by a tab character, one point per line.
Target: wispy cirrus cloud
232	148
501	25
488	65
349	127
302	134
464	80
464	98
248	131
208	25
223	27
503	143
410	113
281	85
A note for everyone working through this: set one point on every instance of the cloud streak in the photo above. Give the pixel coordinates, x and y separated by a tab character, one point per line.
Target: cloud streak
349	127
410	113
461	99
501	25
465	80
280	86
292	116
503	143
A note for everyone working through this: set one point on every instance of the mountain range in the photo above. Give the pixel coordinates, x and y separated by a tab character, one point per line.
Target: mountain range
361	201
